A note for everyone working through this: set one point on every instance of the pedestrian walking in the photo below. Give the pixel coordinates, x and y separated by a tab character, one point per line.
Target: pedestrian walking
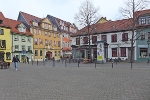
28	60
15	60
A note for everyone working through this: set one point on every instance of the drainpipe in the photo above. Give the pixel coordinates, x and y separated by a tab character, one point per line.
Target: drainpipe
12	45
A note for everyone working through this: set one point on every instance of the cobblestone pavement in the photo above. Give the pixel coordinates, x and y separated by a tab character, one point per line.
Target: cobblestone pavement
32	82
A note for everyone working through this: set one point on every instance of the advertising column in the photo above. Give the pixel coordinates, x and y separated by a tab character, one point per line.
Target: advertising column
100	51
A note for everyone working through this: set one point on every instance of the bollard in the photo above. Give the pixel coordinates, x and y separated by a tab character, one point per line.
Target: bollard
112	63
147	61
65	63
116	61
32	61
95	63
44	62
37	61
78	63
102	62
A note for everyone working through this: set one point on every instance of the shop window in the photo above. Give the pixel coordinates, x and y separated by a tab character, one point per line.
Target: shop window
8	55
143	52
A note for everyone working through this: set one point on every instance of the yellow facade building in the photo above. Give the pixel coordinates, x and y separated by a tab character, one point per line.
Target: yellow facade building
46	36
5	40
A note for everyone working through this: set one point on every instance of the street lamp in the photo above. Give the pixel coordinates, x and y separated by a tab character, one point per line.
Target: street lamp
148	42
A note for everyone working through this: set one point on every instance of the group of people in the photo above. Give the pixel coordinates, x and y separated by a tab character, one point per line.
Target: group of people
16	60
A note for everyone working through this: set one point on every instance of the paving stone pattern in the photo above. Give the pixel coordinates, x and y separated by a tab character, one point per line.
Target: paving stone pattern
32	82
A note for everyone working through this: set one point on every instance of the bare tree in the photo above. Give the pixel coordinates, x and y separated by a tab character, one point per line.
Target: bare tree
86	17
129	11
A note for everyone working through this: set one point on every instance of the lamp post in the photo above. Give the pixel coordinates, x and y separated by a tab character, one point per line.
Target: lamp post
148	42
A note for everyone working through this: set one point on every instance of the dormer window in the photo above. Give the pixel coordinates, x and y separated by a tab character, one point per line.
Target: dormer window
143	21
22	29
35	23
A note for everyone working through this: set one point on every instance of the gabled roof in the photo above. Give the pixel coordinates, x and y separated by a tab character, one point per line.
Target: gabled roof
4	21
53	20
29	18
14	24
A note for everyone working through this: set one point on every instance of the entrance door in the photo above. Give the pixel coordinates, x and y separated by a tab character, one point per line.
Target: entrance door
1	56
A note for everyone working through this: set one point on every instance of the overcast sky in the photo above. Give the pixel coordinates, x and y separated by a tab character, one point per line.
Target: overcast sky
63	9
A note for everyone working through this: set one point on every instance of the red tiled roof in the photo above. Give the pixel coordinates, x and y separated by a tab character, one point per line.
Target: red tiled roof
110	26
13	24
142	12
4	23
29	17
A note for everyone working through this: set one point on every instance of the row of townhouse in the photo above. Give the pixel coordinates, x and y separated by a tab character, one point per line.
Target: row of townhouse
34	37
116	36
14	39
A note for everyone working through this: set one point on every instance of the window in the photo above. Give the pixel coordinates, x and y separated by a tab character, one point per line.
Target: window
143	52
23	38
45	33
29	48
1	32
49	34
94	39
35	23
55	53
55	28
148	35
49	26
125	37
2	43
85	39
142	36
41	53
29	39
123	52
148	20
36	53
104	38
40	32
23	47
41	42
35	41
54	43
54	34
16	47
21	29
50	42
46	42
143	21
8	56
114	38
16	38
58	53
34	31
77	41
58	43
114	52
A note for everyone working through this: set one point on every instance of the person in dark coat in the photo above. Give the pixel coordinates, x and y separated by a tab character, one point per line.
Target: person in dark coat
28	60
15	60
